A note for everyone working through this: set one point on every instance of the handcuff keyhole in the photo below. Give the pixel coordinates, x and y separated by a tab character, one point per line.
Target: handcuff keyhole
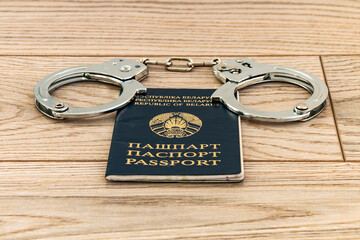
235	71
247	65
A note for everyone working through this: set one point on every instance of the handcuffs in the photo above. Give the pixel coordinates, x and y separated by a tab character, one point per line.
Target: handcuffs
235	74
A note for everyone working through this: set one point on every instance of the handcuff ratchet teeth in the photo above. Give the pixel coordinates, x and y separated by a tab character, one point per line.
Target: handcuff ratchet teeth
120	72
235	74
243	72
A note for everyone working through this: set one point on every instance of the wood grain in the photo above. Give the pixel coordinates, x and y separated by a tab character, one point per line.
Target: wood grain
261	27
342	74
276	201
52	183
25	134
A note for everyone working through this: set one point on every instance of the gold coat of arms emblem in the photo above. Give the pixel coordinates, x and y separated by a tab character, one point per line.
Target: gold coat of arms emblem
175	124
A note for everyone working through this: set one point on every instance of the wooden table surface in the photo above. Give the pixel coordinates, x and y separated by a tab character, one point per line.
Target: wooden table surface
302	179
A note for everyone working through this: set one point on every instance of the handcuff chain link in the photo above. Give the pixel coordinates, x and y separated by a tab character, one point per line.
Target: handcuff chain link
189	65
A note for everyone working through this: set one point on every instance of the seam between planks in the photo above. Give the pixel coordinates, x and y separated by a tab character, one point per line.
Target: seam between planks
105	160
333	110
180	55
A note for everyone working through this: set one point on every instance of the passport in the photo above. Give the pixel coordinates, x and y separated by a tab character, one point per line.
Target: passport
176	135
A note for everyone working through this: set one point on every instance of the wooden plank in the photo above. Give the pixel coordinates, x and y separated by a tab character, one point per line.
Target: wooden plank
342	75
203	27
25	134
276	201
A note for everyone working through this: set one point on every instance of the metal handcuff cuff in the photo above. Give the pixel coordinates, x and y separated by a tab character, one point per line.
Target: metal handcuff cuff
235	74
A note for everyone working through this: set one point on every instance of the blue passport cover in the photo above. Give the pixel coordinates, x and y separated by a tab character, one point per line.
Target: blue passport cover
175	135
